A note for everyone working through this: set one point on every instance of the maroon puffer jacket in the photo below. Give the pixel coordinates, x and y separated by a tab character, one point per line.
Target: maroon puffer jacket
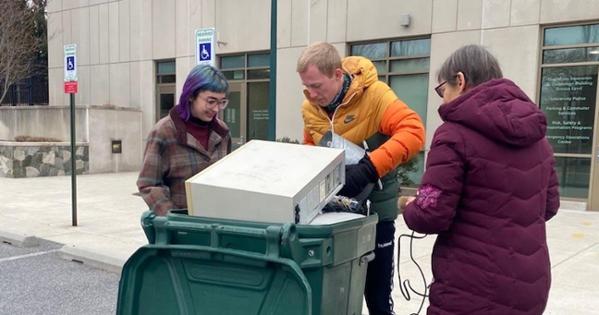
488	189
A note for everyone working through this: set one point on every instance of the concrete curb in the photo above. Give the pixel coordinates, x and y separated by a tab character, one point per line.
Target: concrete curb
573	205
106	263
20	240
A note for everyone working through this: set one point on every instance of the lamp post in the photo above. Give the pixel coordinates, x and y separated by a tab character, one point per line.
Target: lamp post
272	92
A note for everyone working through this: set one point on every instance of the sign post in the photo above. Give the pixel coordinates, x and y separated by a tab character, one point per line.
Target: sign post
205	46
70	87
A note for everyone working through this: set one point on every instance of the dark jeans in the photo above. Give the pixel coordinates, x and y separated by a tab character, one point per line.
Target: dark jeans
379	276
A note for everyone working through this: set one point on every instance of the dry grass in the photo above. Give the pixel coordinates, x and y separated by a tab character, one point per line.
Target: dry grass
36	139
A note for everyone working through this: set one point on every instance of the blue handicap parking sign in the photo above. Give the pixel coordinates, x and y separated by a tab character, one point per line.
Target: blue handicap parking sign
70	63
205	49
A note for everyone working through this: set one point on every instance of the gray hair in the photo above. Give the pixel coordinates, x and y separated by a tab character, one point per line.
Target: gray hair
476	63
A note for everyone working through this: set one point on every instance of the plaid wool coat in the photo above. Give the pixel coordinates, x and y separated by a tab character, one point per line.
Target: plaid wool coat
173	155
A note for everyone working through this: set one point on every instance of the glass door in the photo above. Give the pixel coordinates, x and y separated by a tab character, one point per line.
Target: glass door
165	99
235	114
247	114
568	96
258	109
166	79
594	195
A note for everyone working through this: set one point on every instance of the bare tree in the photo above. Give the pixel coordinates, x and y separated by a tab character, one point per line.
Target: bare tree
19	45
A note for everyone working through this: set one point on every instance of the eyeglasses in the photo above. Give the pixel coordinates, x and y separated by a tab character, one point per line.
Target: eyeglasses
213	102
440	89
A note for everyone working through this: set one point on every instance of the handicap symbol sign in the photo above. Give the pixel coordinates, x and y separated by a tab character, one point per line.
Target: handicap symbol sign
70	63
205	51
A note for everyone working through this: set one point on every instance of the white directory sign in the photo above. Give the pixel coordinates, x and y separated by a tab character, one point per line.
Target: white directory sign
70	62
205	46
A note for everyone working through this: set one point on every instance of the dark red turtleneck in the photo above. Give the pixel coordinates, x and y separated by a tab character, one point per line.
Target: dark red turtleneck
200	130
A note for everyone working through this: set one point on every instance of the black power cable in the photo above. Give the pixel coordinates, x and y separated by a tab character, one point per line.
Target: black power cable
405	286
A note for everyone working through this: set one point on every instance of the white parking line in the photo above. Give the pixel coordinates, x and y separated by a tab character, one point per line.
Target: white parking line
28	255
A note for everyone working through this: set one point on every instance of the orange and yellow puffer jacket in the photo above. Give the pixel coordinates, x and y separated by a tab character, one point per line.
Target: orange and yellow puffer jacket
370	109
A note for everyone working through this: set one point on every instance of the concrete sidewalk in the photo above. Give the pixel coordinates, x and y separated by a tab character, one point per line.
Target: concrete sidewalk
573	240
109	232
108	229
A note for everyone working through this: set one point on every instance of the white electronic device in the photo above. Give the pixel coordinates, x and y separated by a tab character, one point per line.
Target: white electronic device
268	181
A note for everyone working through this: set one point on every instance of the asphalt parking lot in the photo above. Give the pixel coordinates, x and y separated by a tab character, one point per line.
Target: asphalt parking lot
35	280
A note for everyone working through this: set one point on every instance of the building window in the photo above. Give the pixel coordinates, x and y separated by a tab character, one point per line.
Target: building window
404	66
165	87
568	90
165	72
247	114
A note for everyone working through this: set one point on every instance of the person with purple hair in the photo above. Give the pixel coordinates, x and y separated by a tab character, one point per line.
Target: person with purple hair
189	139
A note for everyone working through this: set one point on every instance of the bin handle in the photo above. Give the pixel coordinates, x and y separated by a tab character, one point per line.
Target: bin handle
287	231
219	228
366	258
271	233
147	225
289	263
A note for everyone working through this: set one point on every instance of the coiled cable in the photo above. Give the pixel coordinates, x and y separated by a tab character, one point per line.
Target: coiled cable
405	286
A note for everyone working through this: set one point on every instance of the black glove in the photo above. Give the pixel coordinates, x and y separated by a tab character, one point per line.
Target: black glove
357	177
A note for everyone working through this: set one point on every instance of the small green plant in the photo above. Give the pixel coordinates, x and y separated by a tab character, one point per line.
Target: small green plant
405	169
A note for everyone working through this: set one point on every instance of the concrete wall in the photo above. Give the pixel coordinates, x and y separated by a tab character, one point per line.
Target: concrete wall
125	125
96	126
115	51
289	120
120	40
42	121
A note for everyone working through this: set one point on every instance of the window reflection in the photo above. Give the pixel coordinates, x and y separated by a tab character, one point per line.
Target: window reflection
370	51
410	174
232	114
413	90
568	96
167	101
417	47
248	113
571	35
571	55
573	175
409	64
259	60
234	74
258	110
232	62
381	66
166	67
258	74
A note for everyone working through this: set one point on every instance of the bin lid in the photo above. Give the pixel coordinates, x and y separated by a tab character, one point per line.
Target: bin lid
334	217
184	279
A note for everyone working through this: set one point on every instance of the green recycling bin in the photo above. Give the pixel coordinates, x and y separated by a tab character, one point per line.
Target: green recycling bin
197	265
